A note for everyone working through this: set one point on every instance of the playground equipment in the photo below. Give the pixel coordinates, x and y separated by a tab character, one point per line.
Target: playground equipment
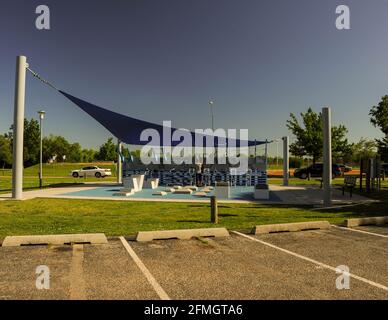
370	168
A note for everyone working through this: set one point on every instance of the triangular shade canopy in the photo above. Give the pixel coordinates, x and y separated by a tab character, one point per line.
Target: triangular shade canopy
129	130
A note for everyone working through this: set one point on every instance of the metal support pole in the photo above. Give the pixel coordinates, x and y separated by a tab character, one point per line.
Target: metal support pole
119	164
213	209
361	172
266	161
286	160
18	128
327	160
40	155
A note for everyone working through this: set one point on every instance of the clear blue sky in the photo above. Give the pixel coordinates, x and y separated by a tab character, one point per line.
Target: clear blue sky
163	60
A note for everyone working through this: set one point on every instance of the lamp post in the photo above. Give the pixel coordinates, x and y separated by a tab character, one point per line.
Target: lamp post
211	103
41	117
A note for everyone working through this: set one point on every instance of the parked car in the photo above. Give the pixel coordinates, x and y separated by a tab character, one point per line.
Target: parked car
345	168
93	171
316	170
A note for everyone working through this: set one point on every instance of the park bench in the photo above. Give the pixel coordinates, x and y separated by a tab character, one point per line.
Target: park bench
350	183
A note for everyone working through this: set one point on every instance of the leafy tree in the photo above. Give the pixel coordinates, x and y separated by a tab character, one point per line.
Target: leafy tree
296	162
5	151
136	154
340	146
309	137
107	151
125	152
364	148
88	155
55	147
31	141
379	118
74	153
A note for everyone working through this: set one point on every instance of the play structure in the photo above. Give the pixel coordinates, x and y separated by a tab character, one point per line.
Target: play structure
370	169
183	178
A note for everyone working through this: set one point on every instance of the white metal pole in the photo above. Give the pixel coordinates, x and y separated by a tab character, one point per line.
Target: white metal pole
119	165
40	154
327	160
286	160
266	160
18	128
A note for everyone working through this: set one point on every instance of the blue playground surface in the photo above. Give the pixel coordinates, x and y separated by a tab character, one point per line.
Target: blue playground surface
236	193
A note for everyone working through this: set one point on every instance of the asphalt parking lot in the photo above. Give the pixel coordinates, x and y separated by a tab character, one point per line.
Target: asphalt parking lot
298	265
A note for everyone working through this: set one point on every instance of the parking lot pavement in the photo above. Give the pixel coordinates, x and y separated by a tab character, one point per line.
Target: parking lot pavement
239	268
18	267
110	273
383	230
213	268
93	272
366	255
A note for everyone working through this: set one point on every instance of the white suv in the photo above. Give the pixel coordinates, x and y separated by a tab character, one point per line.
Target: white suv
91	172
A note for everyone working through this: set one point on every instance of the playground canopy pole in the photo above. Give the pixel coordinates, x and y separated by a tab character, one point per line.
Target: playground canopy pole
18	128
286	161
119	163
327	161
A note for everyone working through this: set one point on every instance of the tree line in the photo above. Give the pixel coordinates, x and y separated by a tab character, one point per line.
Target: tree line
309	137
54	148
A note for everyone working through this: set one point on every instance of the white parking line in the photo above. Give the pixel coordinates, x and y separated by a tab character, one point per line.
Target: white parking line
372	283
362	231
159	290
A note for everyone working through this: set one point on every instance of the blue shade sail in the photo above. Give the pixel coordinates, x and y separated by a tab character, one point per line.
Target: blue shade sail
129	130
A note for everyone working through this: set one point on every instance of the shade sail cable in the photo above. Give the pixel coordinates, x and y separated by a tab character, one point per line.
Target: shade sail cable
36	75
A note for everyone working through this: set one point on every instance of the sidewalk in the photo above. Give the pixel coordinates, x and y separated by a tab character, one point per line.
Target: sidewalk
292	195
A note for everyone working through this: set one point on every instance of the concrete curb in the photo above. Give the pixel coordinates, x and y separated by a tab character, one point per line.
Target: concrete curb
291	227
184	234
59	239
379	221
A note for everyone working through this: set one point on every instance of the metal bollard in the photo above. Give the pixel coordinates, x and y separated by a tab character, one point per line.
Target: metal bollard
214	209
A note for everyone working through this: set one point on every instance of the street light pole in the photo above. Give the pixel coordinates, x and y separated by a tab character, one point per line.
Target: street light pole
41	117
211	103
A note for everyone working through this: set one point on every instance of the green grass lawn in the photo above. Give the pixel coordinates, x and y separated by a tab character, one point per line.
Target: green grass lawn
58	169
54	175
53	216
30	183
